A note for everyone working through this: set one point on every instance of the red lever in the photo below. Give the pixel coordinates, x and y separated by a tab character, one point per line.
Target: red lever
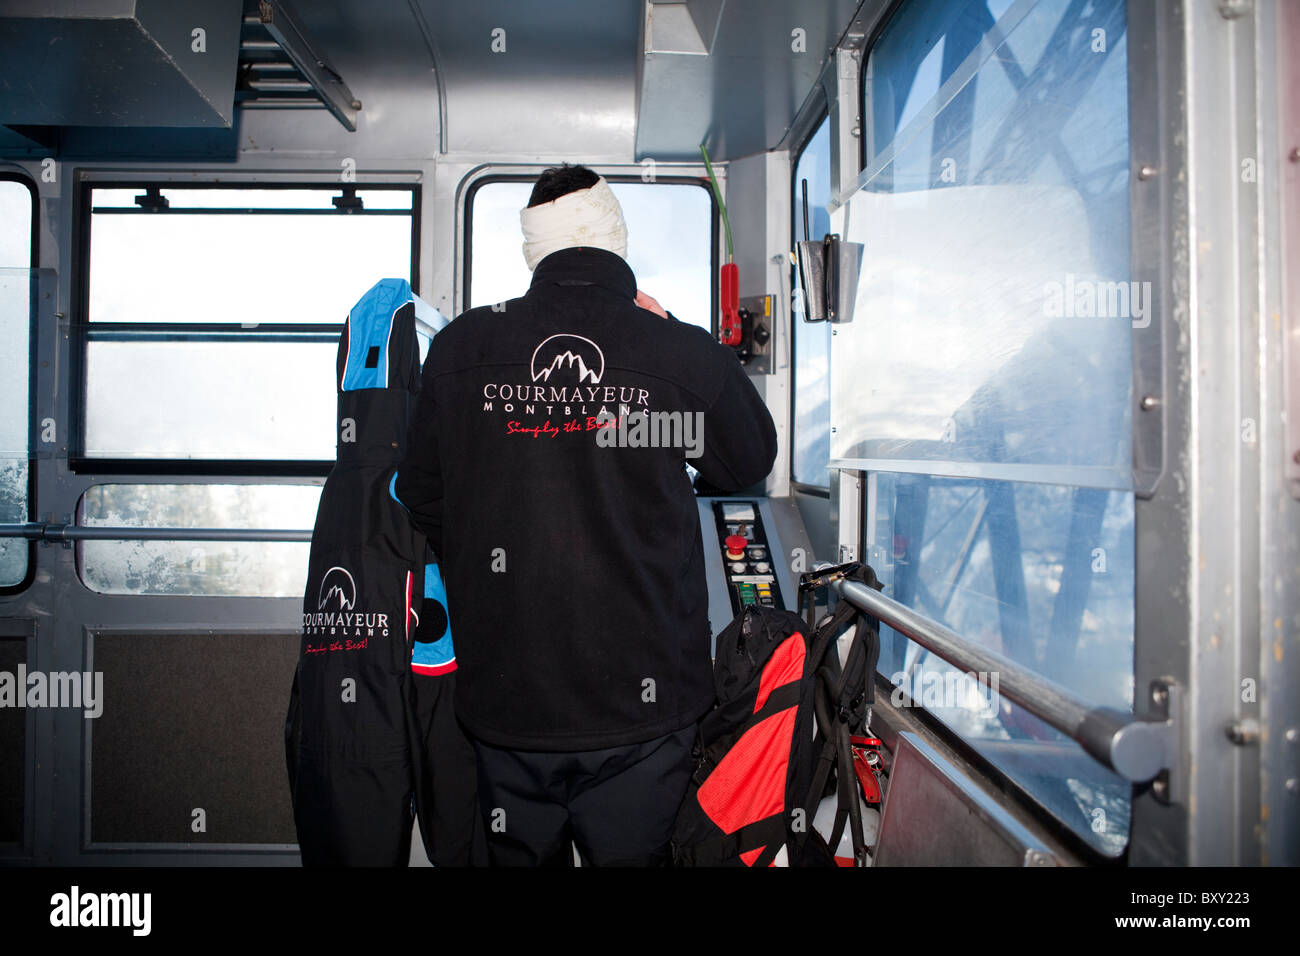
866	766
729	300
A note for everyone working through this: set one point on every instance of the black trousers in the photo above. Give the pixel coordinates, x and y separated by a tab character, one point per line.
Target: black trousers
617	805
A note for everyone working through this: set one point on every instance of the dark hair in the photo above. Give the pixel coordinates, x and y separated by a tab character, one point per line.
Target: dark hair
560	181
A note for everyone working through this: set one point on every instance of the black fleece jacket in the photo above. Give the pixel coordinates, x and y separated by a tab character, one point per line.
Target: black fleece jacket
574	570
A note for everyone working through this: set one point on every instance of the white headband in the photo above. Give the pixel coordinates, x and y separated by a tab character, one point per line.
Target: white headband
588	217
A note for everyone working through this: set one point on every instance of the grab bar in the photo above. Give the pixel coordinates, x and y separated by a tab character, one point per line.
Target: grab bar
1136	749
67	533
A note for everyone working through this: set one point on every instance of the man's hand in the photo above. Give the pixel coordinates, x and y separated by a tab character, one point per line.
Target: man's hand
649	304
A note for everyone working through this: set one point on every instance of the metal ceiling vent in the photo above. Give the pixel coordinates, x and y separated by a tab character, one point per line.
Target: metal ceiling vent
279	69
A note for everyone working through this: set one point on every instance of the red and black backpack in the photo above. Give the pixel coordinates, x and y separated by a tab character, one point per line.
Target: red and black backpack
784	714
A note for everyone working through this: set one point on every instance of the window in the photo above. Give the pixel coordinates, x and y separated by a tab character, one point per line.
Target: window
812	340
224	568
213	315
209	340
670	244
17	260
984	382
1043	574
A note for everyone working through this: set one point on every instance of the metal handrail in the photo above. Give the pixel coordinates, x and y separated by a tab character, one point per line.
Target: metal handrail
1138	750
65	533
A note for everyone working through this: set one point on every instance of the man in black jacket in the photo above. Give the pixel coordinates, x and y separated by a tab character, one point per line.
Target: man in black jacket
546	462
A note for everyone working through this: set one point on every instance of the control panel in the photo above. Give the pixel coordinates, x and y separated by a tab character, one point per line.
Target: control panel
755	346
747	557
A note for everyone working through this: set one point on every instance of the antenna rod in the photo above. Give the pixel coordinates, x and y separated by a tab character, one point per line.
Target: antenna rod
717	194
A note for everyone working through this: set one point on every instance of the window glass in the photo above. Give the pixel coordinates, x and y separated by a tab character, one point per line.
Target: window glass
812	394
984	382
996	287
251	393
669	245
197	398
248	268
16	211
244	569
1040	573
916	56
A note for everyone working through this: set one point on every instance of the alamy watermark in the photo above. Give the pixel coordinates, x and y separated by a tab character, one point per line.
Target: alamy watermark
652	430
75	908
83	691
947	690
1081	298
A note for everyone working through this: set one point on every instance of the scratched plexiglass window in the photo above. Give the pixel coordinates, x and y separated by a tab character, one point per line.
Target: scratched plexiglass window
1042	574
984	382
220	568
669	245
993	216
17	208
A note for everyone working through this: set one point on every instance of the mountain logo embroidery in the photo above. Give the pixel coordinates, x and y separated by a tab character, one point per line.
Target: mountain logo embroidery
339	582
565	352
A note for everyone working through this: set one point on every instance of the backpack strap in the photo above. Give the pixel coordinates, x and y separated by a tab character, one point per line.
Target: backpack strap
843	697
847	791
826	759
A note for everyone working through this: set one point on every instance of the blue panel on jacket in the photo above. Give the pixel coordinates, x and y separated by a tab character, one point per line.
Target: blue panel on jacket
370	326
433	652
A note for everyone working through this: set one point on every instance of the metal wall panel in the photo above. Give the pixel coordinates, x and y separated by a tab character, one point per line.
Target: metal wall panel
121	64
1277	285
554	78
738	85
757	200
1217	540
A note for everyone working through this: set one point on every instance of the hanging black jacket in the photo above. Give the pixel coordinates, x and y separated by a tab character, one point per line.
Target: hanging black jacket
574	570
371	716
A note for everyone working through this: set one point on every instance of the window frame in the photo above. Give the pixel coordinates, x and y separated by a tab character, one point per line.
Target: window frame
864	94
78	461
467	224
821	116
34	263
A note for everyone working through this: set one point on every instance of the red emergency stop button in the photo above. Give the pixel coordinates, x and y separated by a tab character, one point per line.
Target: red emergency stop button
736	546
